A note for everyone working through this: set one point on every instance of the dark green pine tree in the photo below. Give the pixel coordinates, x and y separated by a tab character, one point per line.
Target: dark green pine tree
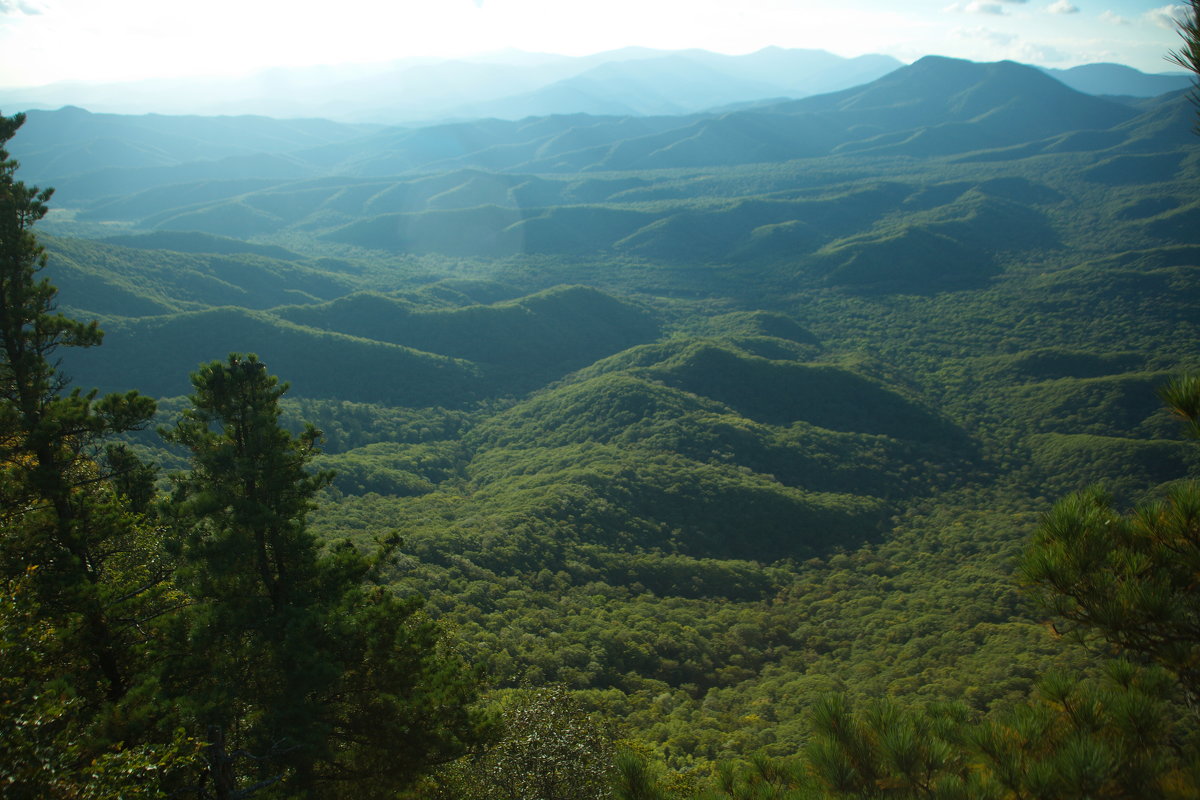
82	574
1130	578
1118	737
1188	55
49	437
292	654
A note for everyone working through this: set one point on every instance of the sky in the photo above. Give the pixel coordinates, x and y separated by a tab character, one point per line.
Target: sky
45	41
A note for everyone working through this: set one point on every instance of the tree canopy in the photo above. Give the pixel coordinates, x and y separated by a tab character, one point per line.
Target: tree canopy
209	644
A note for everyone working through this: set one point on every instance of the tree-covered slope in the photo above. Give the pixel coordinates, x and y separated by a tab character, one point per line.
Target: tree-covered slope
156	354
697	416
114	280
934	107
557	329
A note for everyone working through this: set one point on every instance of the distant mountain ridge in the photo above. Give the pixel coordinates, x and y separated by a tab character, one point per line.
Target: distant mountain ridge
1118	79
687	82
936	106
505	86
1001	103
659	189
516	85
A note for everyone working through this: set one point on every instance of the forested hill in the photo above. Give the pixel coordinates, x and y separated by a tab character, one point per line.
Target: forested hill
936	106
702	417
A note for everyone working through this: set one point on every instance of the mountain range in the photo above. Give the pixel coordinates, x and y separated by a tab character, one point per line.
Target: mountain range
580	183
514	85
934	177
703	415
70	143
507	85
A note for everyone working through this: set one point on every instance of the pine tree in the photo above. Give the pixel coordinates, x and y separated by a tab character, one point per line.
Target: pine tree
81	572
1129	579
1188	55
63	518
291	653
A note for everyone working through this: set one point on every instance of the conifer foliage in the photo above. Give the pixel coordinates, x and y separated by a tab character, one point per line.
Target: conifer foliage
1188	54
50	440
208	645
291	654
81	576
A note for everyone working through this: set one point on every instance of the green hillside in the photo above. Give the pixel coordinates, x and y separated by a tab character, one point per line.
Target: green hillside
156	355
526	341
698	420
133	281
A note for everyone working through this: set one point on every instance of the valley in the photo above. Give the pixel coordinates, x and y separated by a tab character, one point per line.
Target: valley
700	418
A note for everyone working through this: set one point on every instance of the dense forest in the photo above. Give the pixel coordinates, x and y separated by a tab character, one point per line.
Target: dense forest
831	447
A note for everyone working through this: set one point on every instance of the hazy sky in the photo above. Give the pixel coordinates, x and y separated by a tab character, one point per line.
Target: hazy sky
42	41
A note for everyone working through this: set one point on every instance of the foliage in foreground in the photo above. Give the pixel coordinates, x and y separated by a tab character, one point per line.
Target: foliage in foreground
210	647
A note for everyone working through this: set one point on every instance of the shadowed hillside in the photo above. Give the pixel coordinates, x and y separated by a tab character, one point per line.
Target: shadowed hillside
157	354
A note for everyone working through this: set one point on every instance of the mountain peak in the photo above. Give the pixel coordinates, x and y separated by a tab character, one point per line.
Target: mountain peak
1003	102
963	69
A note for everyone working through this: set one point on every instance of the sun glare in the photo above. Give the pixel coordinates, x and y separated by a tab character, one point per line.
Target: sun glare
50	40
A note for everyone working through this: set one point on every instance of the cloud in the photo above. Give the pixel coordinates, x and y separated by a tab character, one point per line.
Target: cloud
1011	46
1031	53
976	7
1115	19
994	7
19	7
1062	7
985	35
1167	17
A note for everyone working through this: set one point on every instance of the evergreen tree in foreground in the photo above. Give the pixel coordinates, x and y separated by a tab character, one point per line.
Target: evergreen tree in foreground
214	650
63	520
1124	584
82	575
1188	55
292	654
